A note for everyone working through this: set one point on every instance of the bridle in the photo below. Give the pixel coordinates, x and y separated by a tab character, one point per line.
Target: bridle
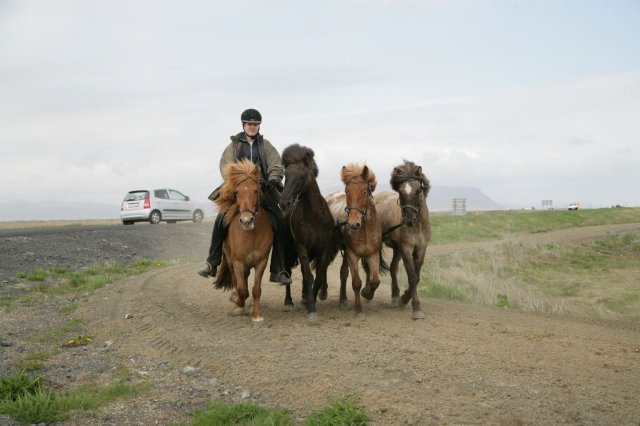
253	213
409	206
295	203
364	212
403	207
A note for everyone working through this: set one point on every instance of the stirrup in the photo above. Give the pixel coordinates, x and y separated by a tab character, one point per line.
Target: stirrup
281	277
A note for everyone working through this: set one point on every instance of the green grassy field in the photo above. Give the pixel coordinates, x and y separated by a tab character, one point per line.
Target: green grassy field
598	278
491	226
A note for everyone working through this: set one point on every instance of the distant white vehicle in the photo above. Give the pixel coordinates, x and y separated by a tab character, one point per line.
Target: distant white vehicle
574	206
158	205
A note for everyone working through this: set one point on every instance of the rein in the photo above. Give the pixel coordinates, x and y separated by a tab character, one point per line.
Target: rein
393	228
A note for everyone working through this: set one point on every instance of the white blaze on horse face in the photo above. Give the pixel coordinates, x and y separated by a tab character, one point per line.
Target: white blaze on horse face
407	188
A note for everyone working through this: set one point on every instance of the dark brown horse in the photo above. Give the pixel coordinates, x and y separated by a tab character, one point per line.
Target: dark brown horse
361	232
310	223
249	237
404	217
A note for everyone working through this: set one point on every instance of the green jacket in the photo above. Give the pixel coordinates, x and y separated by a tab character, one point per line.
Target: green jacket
268	154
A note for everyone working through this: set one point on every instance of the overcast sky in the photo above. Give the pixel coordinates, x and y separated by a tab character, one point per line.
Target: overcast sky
525	99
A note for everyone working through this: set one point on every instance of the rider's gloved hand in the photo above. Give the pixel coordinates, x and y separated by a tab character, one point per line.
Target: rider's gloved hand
275	184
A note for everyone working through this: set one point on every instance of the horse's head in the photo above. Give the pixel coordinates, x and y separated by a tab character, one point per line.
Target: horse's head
412	187
299	170
360	182
240	193
248	196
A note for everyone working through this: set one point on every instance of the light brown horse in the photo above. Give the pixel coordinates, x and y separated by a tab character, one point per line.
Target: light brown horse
355	211
249	237
406	227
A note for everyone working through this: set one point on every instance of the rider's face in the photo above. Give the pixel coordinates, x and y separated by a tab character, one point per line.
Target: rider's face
251	129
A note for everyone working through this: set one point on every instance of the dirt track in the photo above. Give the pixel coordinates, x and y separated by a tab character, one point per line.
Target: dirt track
461	365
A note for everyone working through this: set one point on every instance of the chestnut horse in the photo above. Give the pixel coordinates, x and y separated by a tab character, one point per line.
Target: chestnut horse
406	226
355	213
310	225
249	237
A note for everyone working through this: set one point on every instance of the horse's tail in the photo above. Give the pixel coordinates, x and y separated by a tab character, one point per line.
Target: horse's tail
224	275
383	268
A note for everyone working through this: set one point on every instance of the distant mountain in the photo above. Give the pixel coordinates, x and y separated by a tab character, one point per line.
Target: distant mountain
440	199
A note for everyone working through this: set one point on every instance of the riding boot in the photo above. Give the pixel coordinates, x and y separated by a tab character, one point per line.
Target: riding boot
215	249
278	272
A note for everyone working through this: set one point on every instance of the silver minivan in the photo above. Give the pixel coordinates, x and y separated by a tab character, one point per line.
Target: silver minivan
158	205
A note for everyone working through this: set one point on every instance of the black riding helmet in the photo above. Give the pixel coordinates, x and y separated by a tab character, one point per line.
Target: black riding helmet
251	116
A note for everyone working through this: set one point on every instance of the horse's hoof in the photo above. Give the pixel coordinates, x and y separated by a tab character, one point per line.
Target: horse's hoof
288	308
417	315
313	318
395	302
237	311
322	294
257	322
366	294
343	306
360	316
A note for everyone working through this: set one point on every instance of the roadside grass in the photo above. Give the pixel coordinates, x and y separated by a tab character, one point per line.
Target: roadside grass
596	278
63	281
30	400
340	411
491	226
221	414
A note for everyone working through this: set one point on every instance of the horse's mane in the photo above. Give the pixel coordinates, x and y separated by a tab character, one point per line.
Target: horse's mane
408	171
354	171
299	154
233	174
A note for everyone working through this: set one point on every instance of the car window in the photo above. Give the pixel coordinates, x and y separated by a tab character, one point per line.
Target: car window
161	193
175	195
136	195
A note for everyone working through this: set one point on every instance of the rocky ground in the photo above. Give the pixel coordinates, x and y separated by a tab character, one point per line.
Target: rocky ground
169	328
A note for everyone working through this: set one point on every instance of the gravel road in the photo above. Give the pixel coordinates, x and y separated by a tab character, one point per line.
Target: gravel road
463	364
75	247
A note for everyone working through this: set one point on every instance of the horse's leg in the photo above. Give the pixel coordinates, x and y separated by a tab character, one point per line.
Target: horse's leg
356	282
344	274
418	260
240	286
411	292
373	276
395	290
323	294
307	290
257	290
288	301
320	283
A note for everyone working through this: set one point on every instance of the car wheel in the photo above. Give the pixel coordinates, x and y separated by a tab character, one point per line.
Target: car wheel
198	216
127	222
155	217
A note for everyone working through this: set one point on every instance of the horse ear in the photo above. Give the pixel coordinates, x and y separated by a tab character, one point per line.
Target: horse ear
419	171
396	171
307	159
365	172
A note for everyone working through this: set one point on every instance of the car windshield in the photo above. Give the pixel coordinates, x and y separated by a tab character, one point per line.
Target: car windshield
136	195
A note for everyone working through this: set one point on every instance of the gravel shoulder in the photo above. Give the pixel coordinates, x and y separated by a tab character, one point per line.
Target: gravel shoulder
462	364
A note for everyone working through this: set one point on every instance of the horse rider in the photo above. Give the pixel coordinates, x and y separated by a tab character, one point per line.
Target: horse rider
249	144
